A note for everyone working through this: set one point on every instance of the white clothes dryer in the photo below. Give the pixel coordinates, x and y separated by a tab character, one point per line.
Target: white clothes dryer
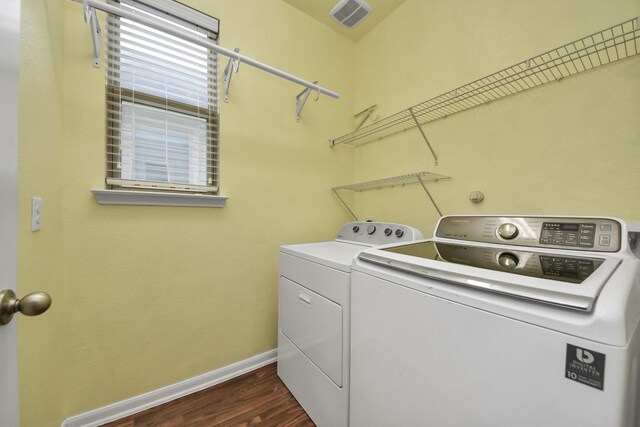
313	318
499	321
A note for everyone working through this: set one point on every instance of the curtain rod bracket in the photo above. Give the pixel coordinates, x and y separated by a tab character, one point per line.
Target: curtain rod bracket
95	36
91	17
301	98
232	67
87	11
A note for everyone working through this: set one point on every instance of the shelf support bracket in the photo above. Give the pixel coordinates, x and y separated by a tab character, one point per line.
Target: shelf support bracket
301	98
232	67
368	112
423	136
344	204
91	17
424	187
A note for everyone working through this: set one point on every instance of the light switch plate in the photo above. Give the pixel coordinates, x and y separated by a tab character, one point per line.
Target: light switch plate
36	213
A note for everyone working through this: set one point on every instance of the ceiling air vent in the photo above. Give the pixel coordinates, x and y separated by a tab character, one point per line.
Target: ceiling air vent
350	12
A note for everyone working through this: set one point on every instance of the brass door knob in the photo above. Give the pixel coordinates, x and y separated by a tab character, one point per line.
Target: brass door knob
32	304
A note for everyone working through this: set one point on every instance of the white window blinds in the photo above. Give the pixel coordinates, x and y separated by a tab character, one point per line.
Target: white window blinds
162	101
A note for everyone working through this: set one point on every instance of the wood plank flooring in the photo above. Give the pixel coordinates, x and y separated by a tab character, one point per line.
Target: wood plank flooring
258	398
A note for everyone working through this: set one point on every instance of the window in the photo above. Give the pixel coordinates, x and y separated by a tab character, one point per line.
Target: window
162	101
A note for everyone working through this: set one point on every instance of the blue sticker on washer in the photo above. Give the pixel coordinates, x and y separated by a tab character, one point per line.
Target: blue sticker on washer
585	366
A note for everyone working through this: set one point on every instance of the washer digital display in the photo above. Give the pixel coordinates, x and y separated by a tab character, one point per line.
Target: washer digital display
568	234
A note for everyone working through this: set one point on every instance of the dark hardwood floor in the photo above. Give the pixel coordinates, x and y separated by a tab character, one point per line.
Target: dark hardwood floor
257	398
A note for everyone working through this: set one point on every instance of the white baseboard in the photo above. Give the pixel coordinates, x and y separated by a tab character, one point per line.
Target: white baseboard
162	395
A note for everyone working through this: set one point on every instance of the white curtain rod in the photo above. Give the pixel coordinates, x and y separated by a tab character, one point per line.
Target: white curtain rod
205	43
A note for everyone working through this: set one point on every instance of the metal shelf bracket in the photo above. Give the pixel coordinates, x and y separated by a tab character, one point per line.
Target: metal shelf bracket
425	139
424	187
367	112
335	191
301	98
232	67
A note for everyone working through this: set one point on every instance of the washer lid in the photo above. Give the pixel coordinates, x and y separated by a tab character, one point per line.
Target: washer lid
566	280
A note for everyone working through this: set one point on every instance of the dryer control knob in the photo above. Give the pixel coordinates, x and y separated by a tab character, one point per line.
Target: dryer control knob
355	228
371	229
508	231
508	260
399	233
388	231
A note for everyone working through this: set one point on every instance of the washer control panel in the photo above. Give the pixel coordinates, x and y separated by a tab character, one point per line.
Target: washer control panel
575	233
377	233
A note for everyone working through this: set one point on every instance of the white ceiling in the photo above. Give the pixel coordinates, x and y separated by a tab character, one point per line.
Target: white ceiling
319	10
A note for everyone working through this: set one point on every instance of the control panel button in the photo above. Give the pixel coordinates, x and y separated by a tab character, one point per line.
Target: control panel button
605	240
508	260
371	229
507	231
399	233
356	228
605	227
388	231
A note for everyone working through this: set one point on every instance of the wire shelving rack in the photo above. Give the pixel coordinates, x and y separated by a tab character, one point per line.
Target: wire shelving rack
595	50
411	178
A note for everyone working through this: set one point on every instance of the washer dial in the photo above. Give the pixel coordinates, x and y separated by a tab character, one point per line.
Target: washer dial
508	260
507	231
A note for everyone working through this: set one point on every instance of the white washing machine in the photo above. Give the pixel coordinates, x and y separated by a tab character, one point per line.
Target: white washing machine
499	322
313	320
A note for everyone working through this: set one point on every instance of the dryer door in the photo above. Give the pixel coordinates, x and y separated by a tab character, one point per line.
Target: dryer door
314	324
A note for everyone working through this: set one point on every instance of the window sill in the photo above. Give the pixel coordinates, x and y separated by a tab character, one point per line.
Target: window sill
153	198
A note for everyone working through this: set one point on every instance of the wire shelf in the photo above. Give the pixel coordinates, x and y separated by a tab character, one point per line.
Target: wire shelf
603	47
411	178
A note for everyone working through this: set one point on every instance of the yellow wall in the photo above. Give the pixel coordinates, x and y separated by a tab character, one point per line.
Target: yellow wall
149	296
567	148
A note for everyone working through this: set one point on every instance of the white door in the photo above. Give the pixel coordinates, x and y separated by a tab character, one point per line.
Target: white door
9	56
